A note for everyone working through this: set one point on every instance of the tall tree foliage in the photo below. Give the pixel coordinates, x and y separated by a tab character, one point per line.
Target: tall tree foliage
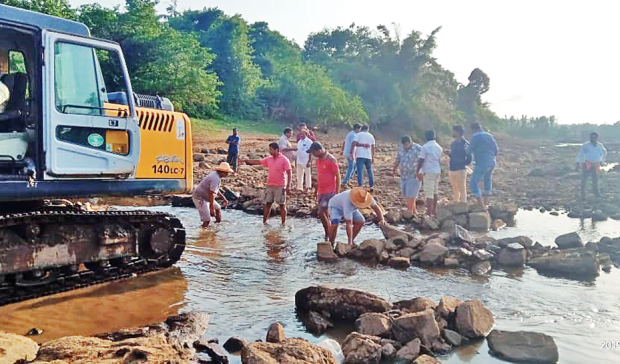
160	59
228	38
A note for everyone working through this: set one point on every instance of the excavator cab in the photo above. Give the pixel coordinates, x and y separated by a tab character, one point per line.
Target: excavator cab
58	120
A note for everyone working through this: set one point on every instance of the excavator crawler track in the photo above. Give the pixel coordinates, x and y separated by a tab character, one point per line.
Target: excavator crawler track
58	249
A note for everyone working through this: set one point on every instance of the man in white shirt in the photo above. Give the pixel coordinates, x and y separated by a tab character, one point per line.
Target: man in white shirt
364	144
286	148
429	170
303	161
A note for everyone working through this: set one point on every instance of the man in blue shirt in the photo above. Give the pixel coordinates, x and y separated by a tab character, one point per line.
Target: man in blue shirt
484	148
347	152
590	158
407	159
233	149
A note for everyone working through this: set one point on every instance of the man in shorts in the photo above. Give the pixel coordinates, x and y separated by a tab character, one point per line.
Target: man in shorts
278	180
407	159
328	182
429	170
346	205
204	195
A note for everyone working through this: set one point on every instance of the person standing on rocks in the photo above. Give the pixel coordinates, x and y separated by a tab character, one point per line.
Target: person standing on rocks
278	180
484	148
407	159
346	205
364	144
590	158
347	152
308	133
429	170
459	160
204	195
328	182
285	146
304	162
233	149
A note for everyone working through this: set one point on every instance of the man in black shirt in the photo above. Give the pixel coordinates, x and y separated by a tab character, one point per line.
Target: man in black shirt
459	160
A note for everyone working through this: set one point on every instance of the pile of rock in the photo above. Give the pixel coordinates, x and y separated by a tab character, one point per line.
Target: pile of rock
410	331
480	255
467	215
400	249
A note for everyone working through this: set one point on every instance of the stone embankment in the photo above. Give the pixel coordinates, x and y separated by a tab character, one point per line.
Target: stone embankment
461	249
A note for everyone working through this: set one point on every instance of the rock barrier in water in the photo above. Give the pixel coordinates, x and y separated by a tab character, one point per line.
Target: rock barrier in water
415	330
459	249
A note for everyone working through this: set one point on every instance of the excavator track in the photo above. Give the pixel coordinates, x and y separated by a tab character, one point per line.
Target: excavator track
55	250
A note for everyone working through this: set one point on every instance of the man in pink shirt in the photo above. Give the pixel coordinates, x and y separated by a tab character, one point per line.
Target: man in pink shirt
278	180
328	182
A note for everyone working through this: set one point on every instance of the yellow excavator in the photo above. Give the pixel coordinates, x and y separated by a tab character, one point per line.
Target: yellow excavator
70	127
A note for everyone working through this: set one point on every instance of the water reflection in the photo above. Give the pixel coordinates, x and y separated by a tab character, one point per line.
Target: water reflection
101	308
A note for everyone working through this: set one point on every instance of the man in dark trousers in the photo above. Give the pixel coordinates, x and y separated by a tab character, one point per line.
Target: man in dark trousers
590	158
233	149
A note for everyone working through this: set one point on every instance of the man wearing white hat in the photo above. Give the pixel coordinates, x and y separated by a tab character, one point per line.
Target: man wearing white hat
204	195
347	204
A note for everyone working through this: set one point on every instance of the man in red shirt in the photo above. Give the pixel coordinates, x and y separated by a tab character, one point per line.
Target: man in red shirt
328	182
278	180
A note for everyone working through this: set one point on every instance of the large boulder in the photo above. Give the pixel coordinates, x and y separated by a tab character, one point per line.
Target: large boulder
569	263
481	268
325	252
417	304
512	257
447	307
420	325
17	348
288	351
426	359
235	344
154	348
372	245
409	352
361	349
461	235
479	221
315	322
523	347
275	334
523	240
375	324
342	249
182	330
473	320
433	253
570	240
390	231
399	262
341	303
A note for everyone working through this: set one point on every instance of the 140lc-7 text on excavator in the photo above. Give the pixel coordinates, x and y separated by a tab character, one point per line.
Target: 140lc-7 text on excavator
70	127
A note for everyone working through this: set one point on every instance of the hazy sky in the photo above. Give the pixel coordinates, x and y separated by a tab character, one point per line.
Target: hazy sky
544	57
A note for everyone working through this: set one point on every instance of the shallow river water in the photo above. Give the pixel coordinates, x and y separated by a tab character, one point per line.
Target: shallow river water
246	275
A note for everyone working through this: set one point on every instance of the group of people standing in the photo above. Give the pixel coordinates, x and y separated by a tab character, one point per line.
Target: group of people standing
419	167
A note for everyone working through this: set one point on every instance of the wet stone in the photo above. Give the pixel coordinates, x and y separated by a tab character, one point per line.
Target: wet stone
235	344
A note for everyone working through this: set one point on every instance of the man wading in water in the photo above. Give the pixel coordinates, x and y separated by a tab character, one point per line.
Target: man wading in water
328	182
278	180
347	204
204	195
590	158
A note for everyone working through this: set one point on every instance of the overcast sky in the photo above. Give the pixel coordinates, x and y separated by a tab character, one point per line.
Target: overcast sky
544	57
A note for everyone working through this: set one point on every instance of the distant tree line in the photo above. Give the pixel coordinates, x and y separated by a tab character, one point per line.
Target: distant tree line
214	65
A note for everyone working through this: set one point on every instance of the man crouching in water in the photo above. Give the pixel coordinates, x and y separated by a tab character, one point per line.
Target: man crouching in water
347	204
205	193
